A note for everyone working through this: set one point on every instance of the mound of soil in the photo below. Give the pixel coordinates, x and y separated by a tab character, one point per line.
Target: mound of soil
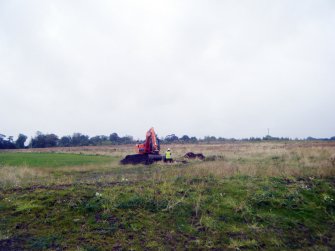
191	155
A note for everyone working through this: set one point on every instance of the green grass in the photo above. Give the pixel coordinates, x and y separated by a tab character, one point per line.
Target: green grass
238	213
51	159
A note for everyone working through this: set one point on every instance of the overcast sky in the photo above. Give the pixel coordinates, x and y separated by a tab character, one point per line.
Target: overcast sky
222	68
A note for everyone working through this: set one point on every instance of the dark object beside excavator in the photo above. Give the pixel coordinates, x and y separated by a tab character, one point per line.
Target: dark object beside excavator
191	155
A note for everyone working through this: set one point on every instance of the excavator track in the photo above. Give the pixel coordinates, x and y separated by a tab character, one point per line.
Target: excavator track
145	159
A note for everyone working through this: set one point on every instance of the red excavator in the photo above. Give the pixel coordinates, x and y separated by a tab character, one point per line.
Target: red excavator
147	153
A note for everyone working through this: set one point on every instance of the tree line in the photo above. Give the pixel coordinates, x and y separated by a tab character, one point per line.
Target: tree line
41	140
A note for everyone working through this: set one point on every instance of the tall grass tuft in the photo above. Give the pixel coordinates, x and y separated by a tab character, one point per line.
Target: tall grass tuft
18	176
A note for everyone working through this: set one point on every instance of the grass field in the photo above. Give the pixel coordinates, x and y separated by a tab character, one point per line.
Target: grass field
243	196
50	160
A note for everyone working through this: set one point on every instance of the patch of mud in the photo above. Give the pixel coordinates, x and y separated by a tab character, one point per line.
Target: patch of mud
35	187
11	244
65	186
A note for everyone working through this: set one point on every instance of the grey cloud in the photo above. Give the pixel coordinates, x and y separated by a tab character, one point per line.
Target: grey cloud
223	68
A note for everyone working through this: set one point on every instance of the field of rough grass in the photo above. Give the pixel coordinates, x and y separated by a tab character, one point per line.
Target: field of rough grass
243	196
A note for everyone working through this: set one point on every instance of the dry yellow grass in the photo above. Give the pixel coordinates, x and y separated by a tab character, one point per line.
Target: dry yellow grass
332	160
262	159
311	159
259	159
17	176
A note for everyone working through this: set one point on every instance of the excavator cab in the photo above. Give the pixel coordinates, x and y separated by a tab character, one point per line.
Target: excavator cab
140	148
